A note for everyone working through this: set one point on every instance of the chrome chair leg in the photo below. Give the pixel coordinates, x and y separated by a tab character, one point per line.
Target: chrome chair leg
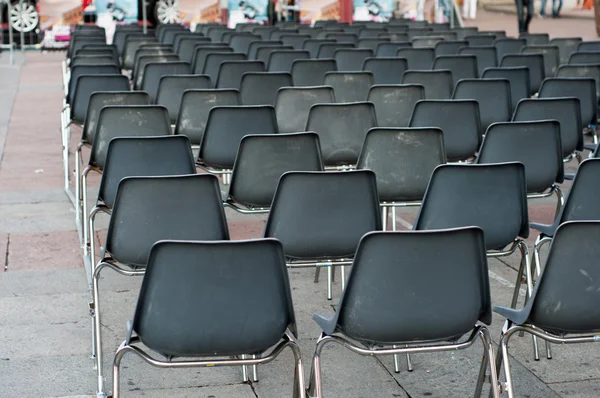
394	218
396	362
487	360
329	282
315	384
408	362
525	255
254	370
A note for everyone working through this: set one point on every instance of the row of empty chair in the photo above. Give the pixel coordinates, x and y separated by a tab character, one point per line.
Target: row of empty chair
275	138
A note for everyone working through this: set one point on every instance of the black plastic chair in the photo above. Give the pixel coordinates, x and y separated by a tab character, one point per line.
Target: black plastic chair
185	47
255	45
92	60
537	145
342	129
394	104
145	212
535	39
131	46
83	88
180	37
565	110
489	196
480	40
492	95
449	47
426	41
282	60
417	58
261	160
402	160
263	53
201	54
463	31
319	217
312	45
582	88
172	87
327	50
486	57
438	84
566	46
293	104
351	59
311	72
350	86
579	71
508	45
342	37
137	75
195	107
371	43
80	70
583	58
387	50
231	72
418	31
386	70
461	66
225	128
260	88
240	43
153	72
589	46
551	57
458	119
176	278
391	274
535	63
213	62
294	40
562	307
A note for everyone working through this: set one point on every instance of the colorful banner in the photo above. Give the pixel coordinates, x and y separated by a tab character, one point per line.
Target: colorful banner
199	11
242	11
122	11
59	13
373	10
313	10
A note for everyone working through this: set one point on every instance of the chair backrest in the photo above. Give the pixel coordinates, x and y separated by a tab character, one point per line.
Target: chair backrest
564	296
394	104
393	270
464	31
327	50
86	85
311	72
386	70
150	209
371	43
100	99
323	215
131	47
231	72
449	47
293	104
492	197
127	121
438	84
123	36
583	58
426	41
294	40
565	110
195	107
417	58
201	54
180	37
282	60
461	66
582	201
350	86
80	70
535	63
172	87
535	144
493	96
587	70
154	71
486	56
181	274
480	40
143	60
535	39
241	43
255	45
566	46
99	51
369	33
262	160
225	128
403	160
260	88
92	60
387	50
351	59
342	37
185	47
78	42
582	88
167	36
143	156
312	45
342	129
420	31
508	45
518	77
550	54
458	119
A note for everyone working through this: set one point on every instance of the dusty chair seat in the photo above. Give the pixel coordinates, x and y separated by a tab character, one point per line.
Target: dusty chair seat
562	309
393	270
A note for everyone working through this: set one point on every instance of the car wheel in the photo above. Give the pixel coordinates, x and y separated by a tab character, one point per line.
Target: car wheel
167	11
23	16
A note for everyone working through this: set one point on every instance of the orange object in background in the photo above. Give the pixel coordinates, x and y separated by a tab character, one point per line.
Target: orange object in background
588	4
86	3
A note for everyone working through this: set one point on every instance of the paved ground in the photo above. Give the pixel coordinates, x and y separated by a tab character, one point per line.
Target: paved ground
45	329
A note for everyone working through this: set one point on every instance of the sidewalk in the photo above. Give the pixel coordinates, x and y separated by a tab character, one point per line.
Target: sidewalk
44	323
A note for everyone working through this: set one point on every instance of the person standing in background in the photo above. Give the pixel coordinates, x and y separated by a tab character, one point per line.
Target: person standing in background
555	8
525	13
470	9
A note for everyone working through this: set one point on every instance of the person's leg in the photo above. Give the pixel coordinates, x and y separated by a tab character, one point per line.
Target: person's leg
530	11
597	16
520	19
473	10
543	7
465	10
556	6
